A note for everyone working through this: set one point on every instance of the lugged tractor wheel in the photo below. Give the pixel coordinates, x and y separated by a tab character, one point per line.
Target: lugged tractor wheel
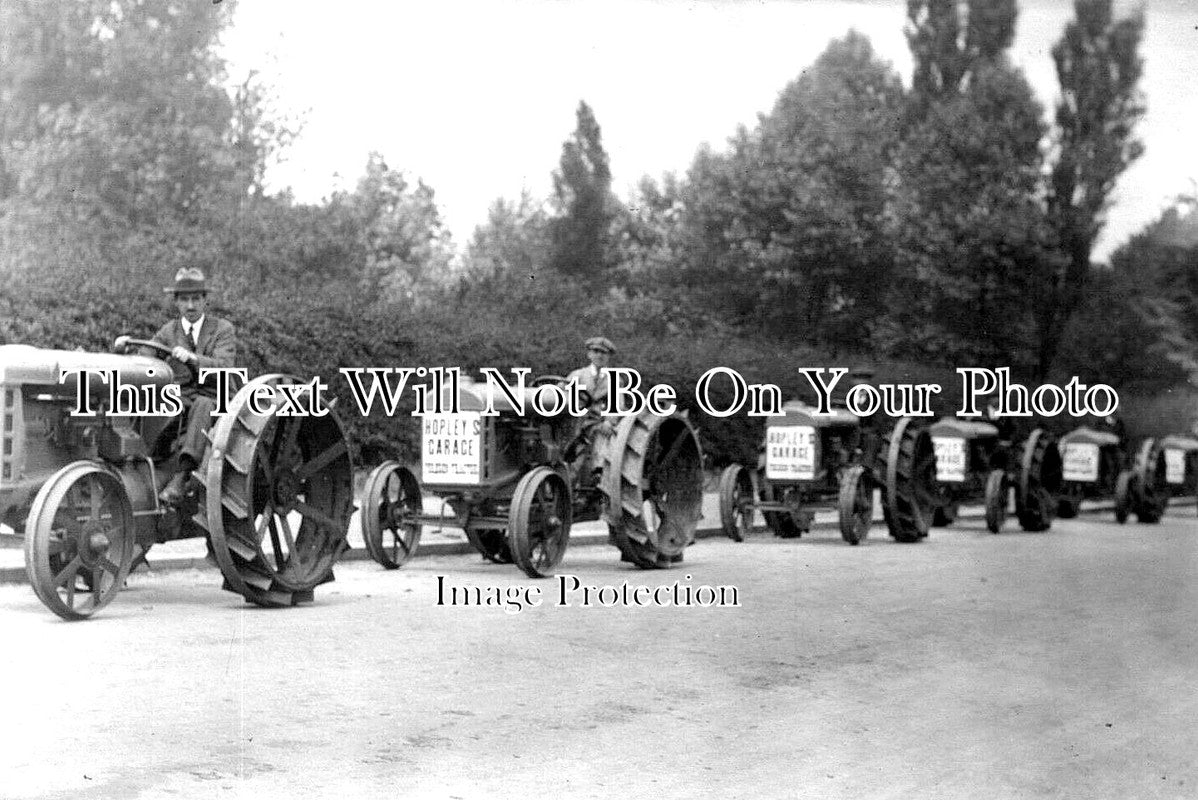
391	505
653	482
1040	477
909	480
1124	486
856	504
736	502
539	522
1151	495
79	540
995	500
276	498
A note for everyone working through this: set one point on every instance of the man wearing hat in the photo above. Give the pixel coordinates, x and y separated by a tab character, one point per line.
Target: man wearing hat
197	341
596	380
594	376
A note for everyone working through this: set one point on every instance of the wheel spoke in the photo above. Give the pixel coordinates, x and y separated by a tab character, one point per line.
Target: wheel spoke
316	515
108	566
321	461
285	527
95	494
68	572
274	542
266	519
398	541
291	426
268	469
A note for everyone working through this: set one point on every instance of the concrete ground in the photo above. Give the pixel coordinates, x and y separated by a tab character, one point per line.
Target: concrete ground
1062	664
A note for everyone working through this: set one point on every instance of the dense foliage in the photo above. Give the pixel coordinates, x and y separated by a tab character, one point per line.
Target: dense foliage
918	229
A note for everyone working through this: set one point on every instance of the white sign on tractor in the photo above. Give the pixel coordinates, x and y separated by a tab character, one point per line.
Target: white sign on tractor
790	452
1175	466
451	448
1081	462
950	458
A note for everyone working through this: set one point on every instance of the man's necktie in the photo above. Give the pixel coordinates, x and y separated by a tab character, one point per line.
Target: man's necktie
195	342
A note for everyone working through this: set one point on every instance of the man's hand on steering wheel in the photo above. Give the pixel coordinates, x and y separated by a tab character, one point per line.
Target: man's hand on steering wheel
184	355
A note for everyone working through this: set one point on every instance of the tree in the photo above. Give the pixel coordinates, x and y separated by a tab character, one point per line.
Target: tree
973	245
788	226
407	248
1099	67
580	232
951	39
1164	257
116	104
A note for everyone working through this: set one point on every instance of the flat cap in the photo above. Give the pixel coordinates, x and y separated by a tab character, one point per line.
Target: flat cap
601	343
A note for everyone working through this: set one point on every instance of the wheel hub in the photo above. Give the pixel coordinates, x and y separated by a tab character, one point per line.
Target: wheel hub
94	544
286	487
395	514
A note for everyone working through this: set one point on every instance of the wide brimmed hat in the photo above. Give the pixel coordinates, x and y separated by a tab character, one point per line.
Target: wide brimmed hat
601	343
188	279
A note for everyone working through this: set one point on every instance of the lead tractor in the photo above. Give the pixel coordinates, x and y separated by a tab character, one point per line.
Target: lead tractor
273	494
976	461
516	481
809	460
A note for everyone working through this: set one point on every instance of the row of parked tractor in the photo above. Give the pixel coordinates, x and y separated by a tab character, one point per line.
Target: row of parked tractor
274	494
925	472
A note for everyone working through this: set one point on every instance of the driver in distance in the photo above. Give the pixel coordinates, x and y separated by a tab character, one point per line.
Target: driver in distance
596	381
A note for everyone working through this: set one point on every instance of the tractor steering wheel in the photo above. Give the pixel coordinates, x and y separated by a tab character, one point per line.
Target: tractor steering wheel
124	343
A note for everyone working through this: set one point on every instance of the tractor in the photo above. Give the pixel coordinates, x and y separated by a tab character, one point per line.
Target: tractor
1181	464
1158	470
515	481
978	460
1096	466
809	459
273	495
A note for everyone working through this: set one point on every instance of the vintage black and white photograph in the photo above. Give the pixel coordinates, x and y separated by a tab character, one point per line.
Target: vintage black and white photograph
598	398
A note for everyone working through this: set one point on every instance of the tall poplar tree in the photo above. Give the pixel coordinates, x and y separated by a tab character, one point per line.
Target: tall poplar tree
580	231
1099	67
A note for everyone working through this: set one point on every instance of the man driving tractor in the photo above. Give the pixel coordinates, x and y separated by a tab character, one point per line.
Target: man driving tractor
197	341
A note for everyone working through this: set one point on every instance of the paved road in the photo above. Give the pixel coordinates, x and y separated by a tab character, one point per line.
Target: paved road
1022	665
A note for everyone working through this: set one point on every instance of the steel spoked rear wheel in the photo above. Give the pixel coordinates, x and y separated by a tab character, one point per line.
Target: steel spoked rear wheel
653	480
539	522
79	540
391	505
276	499
1040	478
909	491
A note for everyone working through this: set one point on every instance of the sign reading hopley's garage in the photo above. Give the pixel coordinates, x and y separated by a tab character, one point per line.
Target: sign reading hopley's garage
790	452
451	447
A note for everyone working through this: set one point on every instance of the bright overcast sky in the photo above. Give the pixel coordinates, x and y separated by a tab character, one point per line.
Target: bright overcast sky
476	96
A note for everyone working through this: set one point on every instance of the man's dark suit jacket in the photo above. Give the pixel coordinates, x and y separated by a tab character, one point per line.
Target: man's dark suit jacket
217	348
